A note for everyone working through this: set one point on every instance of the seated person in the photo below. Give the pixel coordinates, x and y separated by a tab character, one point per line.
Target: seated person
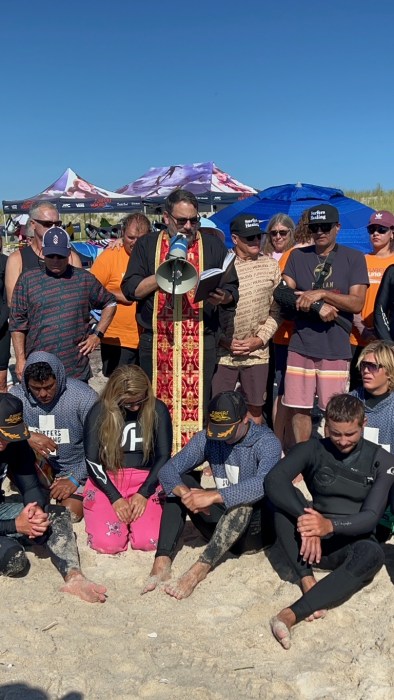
349	479
128	438
39	523
55	407
376	365
240	454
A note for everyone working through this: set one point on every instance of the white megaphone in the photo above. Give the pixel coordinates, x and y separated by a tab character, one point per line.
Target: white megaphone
176	275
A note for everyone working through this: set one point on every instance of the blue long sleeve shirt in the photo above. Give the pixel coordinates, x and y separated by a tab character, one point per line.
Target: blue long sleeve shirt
239	470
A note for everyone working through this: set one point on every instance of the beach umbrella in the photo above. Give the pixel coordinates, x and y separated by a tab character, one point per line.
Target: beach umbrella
293	200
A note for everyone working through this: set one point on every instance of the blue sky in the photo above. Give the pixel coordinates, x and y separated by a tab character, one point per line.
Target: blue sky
272	91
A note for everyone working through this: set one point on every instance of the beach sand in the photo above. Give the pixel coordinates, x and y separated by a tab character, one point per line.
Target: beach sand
216	644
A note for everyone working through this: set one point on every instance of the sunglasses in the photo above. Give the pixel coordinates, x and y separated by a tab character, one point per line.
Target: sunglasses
133	404
182	221
252	237
325	228
279	232
371	367
374	228
47	224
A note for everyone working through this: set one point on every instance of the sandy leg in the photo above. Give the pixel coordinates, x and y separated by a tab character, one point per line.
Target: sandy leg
186	584
161	571
77	584
281	625
307	582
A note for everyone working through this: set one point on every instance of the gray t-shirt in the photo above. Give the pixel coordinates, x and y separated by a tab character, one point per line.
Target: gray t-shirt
318	339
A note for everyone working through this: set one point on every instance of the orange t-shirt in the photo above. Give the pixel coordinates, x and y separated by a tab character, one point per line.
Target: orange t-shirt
109	268
376	267
283	334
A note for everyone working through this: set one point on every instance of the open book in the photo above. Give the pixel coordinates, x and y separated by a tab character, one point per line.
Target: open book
216	277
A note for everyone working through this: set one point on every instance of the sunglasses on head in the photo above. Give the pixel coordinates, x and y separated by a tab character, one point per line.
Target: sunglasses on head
371	367
182	221
47	224
279	232
252	237
325	228
375	228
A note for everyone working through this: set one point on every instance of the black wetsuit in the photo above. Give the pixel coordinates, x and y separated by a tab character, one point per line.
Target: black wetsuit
351	490
383	317
17	461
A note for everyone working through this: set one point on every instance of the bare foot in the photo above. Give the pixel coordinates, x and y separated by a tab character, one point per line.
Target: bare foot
307	582
281	625
161	571
186	584
77	584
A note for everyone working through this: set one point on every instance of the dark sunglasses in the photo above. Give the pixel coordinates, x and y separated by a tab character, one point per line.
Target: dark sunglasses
252	237
325	228
47	224
372	367
374	228
182	221
279	232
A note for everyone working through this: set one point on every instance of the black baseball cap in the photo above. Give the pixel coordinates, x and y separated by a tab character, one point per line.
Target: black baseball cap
245	225
225	412
12	427
323	214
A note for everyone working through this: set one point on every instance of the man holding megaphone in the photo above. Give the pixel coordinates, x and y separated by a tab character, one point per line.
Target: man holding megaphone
178	336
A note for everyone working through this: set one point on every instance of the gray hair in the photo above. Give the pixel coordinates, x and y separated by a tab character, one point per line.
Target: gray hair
40	205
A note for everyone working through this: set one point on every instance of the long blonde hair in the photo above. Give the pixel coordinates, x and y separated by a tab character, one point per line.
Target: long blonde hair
124	383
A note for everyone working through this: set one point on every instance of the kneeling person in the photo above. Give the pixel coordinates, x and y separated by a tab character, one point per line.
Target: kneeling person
240	454
349	479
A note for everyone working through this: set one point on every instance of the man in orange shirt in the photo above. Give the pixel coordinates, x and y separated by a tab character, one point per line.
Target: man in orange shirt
120	343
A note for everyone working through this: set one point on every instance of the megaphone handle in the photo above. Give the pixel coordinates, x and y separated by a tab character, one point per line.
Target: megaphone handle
174	271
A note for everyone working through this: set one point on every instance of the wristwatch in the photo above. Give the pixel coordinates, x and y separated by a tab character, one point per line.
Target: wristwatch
95	331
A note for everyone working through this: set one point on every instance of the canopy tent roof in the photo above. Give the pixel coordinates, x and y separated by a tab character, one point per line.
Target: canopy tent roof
207	182
71	193
293	200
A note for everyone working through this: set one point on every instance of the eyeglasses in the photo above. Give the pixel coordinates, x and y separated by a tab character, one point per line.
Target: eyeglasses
374	228
252	237
371	367
325	228
47	224
182	221
133	404
279	232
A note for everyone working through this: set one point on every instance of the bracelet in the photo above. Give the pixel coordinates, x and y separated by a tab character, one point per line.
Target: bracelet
74	481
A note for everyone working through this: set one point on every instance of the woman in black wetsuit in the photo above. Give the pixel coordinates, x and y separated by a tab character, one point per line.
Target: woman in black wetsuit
384	307
4	332
127	438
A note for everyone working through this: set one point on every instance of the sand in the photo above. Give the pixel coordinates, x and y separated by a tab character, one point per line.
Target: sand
216	644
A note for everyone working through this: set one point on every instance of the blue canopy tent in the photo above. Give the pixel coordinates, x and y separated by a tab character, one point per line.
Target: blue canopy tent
293	200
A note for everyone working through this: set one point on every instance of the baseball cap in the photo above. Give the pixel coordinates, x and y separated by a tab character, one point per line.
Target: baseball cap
12	427
323	214
245	225
56	241
225	412
382	218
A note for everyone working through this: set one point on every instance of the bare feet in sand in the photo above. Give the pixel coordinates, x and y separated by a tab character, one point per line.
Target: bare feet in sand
186	584
307	582
281	625
161	571
77	584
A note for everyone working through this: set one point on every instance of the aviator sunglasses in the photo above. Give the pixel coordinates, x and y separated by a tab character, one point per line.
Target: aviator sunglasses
372	367
374	228
325	228
47	224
